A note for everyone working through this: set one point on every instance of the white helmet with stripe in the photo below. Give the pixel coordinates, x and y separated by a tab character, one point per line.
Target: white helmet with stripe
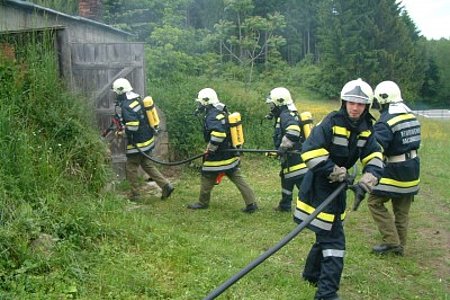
357	91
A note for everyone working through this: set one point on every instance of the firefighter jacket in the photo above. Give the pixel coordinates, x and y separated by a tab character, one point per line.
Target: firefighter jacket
137	128
399	136
288	125
335	141
216	131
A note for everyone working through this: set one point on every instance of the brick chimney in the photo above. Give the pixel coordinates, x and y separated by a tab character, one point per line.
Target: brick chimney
91	9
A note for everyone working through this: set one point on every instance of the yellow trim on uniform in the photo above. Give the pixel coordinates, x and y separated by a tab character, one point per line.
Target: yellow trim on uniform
219	134
220	117
141	145
400	118
294	168
134	104
365	133
293	127
133	123
371	156
323	216
314	153
403	184
219	163
338	130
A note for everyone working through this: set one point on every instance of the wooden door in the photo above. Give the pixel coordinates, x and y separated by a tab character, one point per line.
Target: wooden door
95	66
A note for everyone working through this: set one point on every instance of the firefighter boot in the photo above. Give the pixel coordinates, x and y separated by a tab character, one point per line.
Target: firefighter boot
384	249
251	208
197	205
166	191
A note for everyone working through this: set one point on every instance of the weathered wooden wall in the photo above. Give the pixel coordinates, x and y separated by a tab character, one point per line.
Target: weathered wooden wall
25	16
95	66
91	56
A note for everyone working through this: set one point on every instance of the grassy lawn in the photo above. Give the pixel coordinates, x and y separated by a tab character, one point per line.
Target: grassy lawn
161	250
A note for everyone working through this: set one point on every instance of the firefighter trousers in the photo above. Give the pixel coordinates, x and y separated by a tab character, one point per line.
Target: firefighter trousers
393	227
134	161
208	181
325	261
287	188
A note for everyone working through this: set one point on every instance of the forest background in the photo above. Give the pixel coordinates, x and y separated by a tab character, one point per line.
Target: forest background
316	44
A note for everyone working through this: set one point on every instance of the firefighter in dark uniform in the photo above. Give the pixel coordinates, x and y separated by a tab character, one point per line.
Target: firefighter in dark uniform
398	133
334	146
287	137
217	162
140	134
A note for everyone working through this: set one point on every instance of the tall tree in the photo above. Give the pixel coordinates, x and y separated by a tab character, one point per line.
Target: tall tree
368	39
246	38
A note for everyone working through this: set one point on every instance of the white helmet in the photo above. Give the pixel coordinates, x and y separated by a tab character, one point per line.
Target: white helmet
121	86
207	96
357	91
388	92
280	96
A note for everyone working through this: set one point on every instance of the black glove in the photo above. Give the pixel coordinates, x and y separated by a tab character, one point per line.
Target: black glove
360	194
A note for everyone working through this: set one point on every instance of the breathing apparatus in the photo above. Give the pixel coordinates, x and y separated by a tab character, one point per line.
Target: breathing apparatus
151	112
306	122
281	96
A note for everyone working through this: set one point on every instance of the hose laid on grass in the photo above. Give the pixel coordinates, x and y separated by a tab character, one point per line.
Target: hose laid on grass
215	293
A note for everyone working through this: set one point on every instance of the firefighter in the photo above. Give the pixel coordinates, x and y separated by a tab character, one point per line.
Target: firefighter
334	146
287	136
217	162
398	132
139	134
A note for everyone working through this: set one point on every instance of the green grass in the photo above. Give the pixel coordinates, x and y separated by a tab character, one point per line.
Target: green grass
165	251
161	250
103	247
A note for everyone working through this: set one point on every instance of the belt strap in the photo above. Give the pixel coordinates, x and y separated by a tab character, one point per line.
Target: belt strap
402	157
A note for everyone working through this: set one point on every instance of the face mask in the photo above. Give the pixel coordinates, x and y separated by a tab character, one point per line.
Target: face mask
121	98
200	109
376	104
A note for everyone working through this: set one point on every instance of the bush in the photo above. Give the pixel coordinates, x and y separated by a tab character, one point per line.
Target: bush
51	156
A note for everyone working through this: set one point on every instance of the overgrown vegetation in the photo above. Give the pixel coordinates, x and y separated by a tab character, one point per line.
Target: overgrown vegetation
316	44
62	237
52	168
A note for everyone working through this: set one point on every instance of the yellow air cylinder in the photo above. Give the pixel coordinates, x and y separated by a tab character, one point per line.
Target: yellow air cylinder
236	130
307	123
150	110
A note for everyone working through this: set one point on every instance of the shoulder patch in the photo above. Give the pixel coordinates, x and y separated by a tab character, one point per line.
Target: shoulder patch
220	117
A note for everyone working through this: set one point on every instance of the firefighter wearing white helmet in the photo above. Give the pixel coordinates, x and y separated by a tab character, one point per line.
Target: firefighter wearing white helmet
140	138
398	132
287	136
336	144
217	161
121	86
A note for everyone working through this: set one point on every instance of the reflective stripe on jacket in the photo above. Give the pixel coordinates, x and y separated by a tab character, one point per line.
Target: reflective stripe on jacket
216	132
137	129
399	136
335	141
288	125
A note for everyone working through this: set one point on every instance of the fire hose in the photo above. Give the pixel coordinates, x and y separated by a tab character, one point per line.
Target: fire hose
188	160
215	293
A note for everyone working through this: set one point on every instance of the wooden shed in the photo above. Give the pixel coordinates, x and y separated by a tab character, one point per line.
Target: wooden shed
91	56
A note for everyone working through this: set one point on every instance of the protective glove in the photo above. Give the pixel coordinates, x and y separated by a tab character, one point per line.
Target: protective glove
338	174
211	148
285	145
119	133
367	182
272	154
360	194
